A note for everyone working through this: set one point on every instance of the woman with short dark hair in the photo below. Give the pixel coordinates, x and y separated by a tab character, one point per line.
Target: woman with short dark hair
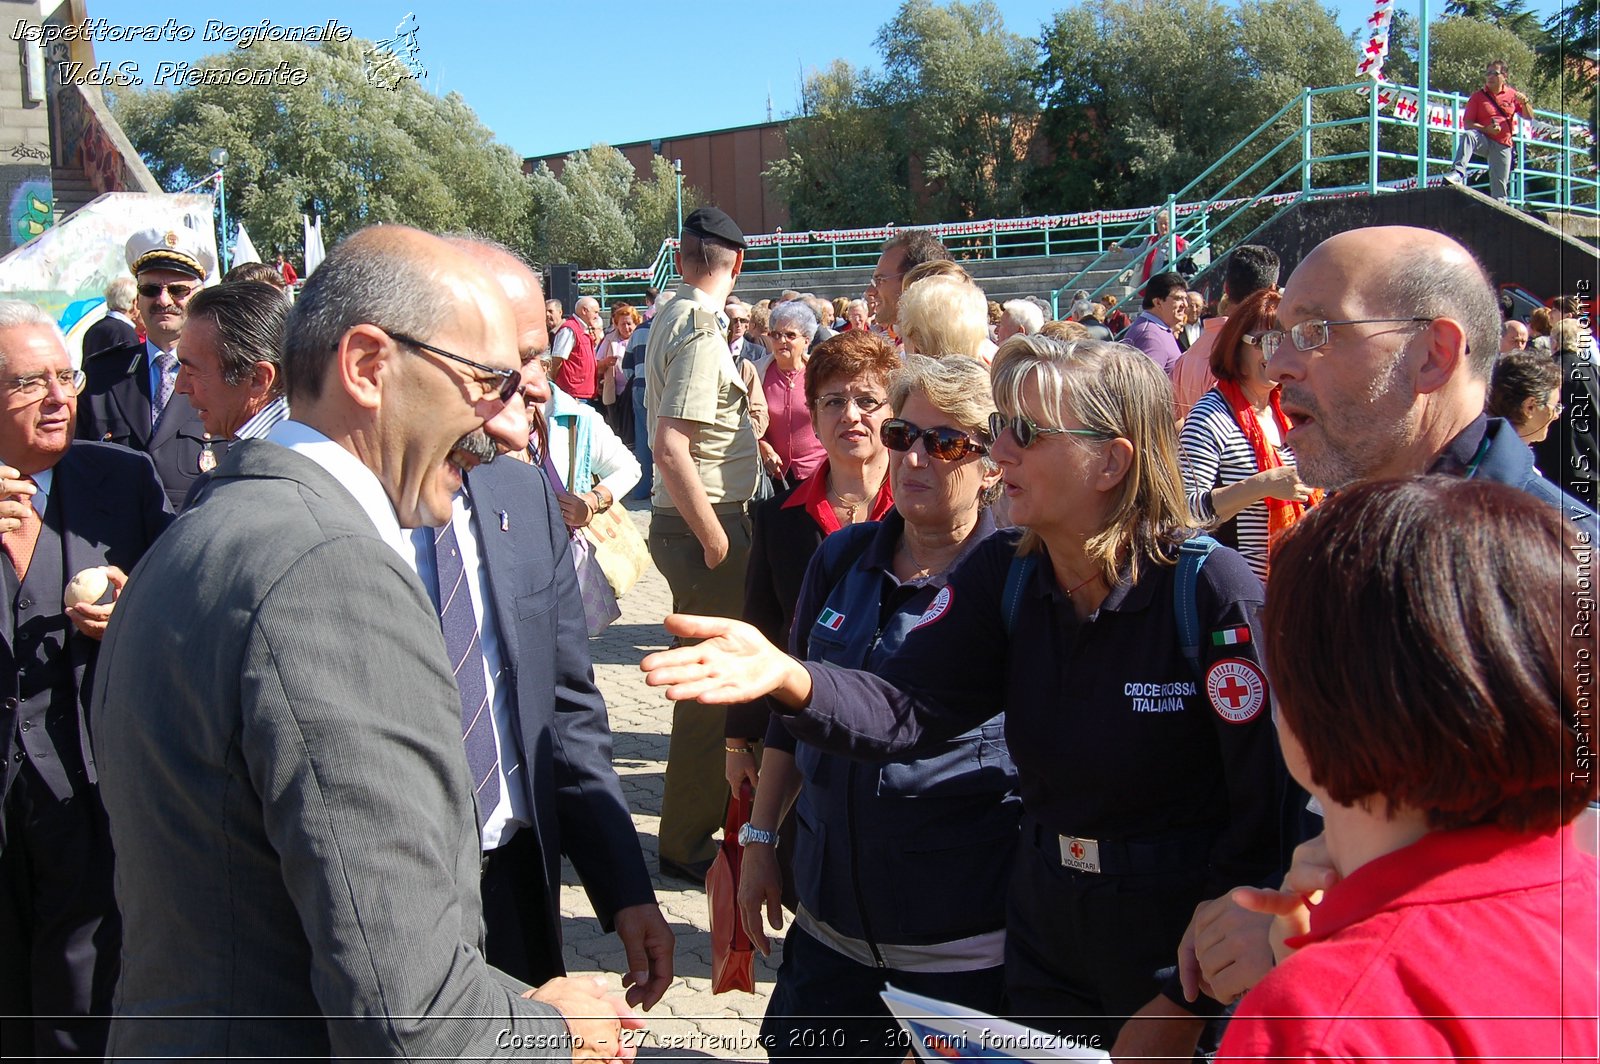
1440	710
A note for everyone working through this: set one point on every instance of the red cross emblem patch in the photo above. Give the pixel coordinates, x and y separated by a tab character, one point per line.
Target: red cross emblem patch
1237	689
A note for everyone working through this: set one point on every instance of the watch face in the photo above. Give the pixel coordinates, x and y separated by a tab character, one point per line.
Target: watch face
744	834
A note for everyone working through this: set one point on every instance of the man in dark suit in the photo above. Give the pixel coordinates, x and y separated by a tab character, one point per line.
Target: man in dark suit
130	397
116	329
562	796
67	507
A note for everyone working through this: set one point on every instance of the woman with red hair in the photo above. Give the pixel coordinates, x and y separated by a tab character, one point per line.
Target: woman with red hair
1237	471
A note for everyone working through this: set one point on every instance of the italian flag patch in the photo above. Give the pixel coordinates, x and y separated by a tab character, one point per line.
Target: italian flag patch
1230	637
830	619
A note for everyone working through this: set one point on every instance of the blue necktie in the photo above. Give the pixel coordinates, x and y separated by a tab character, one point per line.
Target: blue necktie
466	661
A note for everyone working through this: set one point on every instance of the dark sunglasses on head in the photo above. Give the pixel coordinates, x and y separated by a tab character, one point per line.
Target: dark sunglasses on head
178	291
1026	430
942	441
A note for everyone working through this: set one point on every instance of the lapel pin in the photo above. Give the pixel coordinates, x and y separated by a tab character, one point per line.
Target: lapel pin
505	521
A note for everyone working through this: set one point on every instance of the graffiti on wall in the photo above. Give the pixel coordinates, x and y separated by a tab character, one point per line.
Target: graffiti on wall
81	141
29	202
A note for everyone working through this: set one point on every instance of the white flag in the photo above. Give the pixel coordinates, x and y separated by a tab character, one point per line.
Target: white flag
314	251
244	249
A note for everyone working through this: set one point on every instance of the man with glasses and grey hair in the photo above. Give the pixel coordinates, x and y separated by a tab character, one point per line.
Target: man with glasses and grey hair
71	514
1490	122
1386	340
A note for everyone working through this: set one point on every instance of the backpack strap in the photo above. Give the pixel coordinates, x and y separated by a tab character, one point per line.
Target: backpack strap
1017	577
1192	554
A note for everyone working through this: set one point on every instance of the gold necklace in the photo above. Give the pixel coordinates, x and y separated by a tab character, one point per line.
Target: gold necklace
849	504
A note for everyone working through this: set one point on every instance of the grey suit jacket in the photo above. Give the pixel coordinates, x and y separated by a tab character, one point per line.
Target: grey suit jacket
279	740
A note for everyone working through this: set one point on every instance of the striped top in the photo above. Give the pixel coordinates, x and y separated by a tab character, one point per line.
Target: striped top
1214	453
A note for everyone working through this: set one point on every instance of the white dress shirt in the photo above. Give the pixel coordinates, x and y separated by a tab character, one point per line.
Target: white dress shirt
353	476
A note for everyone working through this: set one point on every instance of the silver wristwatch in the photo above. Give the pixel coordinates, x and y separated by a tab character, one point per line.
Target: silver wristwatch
749	833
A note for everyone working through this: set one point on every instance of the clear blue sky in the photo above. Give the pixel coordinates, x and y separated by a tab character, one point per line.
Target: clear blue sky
511	60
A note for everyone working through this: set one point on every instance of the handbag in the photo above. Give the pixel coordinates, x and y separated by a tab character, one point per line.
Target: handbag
599	601
733	955
615	544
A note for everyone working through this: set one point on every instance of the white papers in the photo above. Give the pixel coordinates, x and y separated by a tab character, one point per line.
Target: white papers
941	1031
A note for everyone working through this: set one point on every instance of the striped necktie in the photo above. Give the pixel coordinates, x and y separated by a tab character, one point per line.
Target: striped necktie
167	363
466	661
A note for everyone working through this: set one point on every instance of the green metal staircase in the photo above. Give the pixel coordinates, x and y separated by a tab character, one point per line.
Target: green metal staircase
1363	139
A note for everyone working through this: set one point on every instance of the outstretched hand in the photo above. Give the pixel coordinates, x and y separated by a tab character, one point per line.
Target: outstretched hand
733	663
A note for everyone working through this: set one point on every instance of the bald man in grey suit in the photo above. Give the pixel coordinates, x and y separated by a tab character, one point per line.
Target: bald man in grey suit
279	722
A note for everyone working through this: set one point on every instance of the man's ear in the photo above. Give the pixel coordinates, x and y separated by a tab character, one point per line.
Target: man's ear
738	261
362	354
1444	356
263	375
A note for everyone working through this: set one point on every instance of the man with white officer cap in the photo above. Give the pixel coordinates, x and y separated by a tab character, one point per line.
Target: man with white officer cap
130	397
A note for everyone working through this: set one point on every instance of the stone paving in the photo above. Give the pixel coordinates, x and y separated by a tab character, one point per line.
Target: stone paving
690	1022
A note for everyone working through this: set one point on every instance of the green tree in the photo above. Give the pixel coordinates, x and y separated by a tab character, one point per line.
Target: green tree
598	214
960	86
943	132
354	151
848	158
1460	49
1142	96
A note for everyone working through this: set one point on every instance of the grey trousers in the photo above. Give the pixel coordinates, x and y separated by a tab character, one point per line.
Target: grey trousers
1497	154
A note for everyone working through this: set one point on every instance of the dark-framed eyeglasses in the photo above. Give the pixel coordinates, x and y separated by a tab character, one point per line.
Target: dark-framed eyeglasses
178	290
37	385
1026	430
508	381
942	441
1310	335
835	403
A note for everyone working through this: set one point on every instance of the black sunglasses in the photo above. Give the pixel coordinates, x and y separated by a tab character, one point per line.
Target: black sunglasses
1026	430
942	442
510	380
177	290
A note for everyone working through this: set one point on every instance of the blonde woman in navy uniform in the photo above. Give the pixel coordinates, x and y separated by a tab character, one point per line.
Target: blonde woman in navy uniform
1150	774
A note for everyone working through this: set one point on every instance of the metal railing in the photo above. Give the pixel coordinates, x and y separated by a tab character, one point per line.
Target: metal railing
1364	138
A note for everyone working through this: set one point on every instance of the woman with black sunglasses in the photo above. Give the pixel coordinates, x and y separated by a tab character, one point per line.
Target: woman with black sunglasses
1136	706
865	831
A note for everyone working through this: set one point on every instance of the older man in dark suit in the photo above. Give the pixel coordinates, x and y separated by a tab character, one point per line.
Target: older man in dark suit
560	795
275	688
116	329
130	397
69	507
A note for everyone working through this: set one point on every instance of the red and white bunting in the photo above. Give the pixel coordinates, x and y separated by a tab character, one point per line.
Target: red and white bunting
1376	50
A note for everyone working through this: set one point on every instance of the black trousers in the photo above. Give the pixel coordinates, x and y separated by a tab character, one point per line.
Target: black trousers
1085	951
60	932
522	922
826	1006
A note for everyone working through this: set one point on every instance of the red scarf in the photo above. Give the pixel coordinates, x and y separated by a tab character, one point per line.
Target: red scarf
1281	513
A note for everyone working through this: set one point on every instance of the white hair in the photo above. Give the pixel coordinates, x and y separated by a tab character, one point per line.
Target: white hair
119	293
16	314
1024	314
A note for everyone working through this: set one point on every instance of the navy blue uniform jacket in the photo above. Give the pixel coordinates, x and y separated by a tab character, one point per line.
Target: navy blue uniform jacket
1113	734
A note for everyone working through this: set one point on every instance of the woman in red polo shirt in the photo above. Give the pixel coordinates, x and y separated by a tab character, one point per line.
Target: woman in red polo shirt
1439	710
